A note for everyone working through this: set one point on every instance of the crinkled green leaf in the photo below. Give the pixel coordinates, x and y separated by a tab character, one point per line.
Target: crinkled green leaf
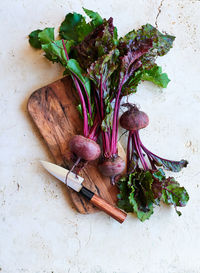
34	40
132	83
158	177
146	185
46	36
100	73
136	191
107	39
159	174
131	60
169	190
74	27
96	44
123	200
39	37
144	189
156	76
141	214
130	44
55	51
115	36
96	18
130	63
101	70
173	194
161	42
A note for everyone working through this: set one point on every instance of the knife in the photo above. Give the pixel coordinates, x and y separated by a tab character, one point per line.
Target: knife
75	182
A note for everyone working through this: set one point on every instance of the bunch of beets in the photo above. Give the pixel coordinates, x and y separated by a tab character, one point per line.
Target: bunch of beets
104	70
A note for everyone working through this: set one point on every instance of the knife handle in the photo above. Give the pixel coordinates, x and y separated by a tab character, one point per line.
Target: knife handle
100	203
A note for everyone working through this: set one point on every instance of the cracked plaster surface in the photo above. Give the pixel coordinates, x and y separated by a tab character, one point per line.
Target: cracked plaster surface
40	230
159	11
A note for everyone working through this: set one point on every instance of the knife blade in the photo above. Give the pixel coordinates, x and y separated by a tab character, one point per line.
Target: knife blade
75	182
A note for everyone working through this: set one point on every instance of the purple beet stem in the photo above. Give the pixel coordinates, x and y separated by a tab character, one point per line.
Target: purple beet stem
86	129
115	120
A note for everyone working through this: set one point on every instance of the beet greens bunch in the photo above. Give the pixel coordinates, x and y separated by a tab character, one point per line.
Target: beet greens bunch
104	69
145	183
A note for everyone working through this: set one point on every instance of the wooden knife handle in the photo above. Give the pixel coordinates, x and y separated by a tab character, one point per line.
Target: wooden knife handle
100	203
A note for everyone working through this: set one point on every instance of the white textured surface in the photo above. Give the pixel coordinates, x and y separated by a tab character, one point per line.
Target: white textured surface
40	232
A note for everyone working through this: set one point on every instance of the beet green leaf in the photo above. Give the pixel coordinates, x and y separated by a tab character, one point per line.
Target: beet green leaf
141	190
34	40
55	51
123	200
174	166
96	18
173	194
74	67
74	27
98	43
46	36
39	37
137	193
156	76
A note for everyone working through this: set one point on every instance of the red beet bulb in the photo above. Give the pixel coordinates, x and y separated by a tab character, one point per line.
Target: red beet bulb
134	119
112	167
84	148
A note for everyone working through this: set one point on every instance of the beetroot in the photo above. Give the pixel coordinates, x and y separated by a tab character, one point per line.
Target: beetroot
134	119
84	148
112	166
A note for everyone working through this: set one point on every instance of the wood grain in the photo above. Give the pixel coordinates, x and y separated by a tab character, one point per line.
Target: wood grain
53	110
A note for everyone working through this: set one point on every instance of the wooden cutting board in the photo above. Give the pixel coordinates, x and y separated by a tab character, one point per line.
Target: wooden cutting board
53	110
